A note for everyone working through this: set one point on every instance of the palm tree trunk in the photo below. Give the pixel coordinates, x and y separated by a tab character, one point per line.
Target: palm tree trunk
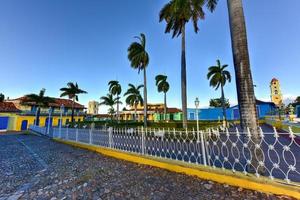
244	82
165	107
135	112
223	105
145	98
183	79
38	113
72	116
118	113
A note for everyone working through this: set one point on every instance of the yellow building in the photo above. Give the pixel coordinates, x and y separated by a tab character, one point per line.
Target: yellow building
16	115
129	114
276	95
93	108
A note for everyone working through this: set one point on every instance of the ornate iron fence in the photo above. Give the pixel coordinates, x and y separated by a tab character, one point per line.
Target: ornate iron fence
270	154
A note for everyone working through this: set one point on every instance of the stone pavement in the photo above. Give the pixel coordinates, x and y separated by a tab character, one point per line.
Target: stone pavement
35	167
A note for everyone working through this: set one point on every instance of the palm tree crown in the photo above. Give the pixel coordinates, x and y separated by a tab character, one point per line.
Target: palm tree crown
72	92
162	83
134	97
218	75
40	100
177	13
137	54
110	101
115	87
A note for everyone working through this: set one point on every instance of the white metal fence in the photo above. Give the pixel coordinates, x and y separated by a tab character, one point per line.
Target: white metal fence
274	155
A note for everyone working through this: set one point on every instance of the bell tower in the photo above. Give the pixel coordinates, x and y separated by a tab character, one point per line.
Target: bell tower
276	95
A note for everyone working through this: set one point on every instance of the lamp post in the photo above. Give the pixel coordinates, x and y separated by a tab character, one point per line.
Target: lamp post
197	102
60	123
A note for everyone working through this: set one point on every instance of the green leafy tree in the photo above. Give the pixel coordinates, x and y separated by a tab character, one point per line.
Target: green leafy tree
163	86
176	14
134	97
72	91
115	88
243	75
217	103
139	58
39	100
297	100
110	101
218	76
2	97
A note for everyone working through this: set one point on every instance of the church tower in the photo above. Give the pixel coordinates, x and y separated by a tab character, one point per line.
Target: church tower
276	95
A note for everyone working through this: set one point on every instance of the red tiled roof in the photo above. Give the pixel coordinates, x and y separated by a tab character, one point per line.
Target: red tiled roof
8	107
58	102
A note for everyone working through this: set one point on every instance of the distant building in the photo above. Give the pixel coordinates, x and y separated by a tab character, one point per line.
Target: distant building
154	113
18	114
93	108
276	95
232	113
298	111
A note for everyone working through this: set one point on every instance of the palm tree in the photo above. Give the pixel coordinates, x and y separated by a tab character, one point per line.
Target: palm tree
218	76
177	13
2	97
39	100
110	101
163	86
115	88
72	92
243	75
139	59
134	97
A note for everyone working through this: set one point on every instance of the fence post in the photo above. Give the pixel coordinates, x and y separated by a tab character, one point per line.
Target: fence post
203	148
91	139
143	140
76	134
110	130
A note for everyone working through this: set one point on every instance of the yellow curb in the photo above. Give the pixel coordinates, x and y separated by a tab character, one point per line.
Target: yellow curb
238	180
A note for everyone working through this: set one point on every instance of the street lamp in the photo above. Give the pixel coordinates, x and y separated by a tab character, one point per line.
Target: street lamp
197	103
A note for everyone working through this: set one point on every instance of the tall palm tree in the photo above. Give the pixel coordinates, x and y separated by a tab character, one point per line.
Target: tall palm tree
218	76
2	97
163	86
243	75
134	97
177	13
110	101
39	100
72	90
139	58
115	88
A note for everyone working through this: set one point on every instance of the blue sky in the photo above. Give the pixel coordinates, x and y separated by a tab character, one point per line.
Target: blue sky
45	44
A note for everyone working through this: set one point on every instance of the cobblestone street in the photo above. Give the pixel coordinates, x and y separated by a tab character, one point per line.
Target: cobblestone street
34	167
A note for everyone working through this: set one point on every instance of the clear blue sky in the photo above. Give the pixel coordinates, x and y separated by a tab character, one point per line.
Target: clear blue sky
45	44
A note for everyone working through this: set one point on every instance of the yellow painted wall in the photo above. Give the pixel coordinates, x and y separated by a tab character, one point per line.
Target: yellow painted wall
15	121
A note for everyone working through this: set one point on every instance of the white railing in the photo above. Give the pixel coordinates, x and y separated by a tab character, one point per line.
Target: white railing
272	154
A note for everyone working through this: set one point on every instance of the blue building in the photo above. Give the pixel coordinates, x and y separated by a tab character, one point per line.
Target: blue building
298	111
232	113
